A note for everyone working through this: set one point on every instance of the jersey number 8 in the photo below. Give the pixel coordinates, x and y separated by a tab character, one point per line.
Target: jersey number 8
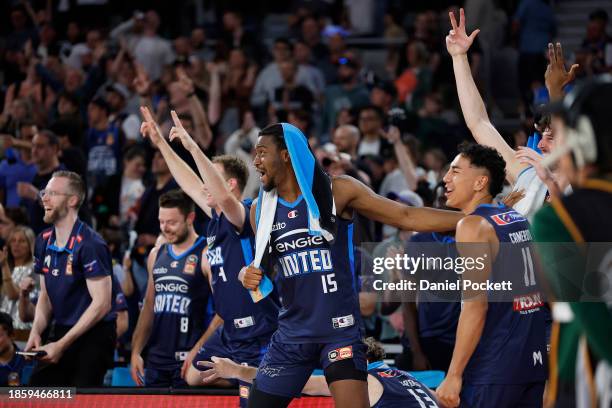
184	324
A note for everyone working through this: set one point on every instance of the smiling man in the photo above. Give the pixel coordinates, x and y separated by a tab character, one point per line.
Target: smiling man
494	361
319	322
75	292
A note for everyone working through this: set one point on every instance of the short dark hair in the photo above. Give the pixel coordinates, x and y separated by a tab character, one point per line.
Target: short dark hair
133	152
18	215
101	103
284	40
6	321
276	132
599	14
75	184
177	199
234	167
489	159
375	351
52	138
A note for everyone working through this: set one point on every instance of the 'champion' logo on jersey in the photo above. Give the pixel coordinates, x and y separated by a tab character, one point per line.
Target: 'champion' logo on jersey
173	264
507	218
292	214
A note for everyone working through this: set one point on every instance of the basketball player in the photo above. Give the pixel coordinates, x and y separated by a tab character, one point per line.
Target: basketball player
499	359
247	326
387	387
520	166
173	314
320	314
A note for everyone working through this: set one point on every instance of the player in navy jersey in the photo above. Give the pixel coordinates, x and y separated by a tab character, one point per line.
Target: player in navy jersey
499	359
173	315
387	387
247	326
319	323
75	292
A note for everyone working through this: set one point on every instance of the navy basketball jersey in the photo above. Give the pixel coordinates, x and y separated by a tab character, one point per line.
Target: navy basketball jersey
400	389
317	282
438	311
228	252
181	297
512	348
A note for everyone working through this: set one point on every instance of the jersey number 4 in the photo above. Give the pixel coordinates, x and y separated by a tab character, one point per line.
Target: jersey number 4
329	284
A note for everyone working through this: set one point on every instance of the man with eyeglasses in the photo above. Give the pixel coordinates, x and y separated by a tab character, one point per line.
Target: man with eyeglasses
75	298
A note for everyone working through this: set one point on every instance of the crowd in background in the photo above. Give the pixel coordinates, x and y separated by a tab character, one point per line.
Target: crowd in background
73	78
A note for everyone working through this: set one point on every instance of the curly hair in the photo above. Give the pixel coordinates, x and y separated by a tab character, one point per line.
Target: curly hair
486	158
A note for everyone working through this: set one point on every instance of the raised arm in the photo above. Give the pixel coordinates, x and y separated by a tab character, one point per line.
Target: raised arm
556	75
474	112
215	183
351	193
202	133
403	157
189	182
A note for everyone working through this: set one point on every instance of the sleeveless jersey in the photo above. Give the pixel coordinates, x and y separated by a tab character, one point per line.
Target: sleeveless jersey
317	281
400	389
181	296
438	313
228	252
512	347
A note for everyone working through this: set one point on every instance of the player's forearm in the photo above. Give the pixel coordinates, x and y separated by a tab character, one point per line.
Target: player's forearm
26	309
245	373
42	314
214	99
429	220
411	330
189	182
95	312
143	329
215	323
214	182
204	134
469	329
406	165
472	105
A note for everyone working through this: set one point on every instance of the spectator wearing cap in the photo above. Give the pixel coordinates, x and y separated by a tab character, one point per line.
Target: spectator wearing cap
350	93
45	155
11	364
103	144
117	96
311	36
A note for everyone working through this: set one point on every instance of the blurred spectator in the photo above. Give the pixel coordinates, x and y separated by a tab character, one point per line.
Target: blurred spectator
147	223
349	94
17	165
416	80
20	32
346	139
104	143
271	78
80	54
535	24
597	45
242	143
290	95
45	155
117	96
198	45
384	96
371	127
303	56
113	203
148	48
311	36
11	364
20	110
16	261
71	153
9	219
236	36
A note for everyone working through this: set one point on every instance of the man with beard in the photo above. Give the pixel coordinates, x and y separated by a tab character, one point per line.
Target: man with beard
319	322
75	292
174	311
